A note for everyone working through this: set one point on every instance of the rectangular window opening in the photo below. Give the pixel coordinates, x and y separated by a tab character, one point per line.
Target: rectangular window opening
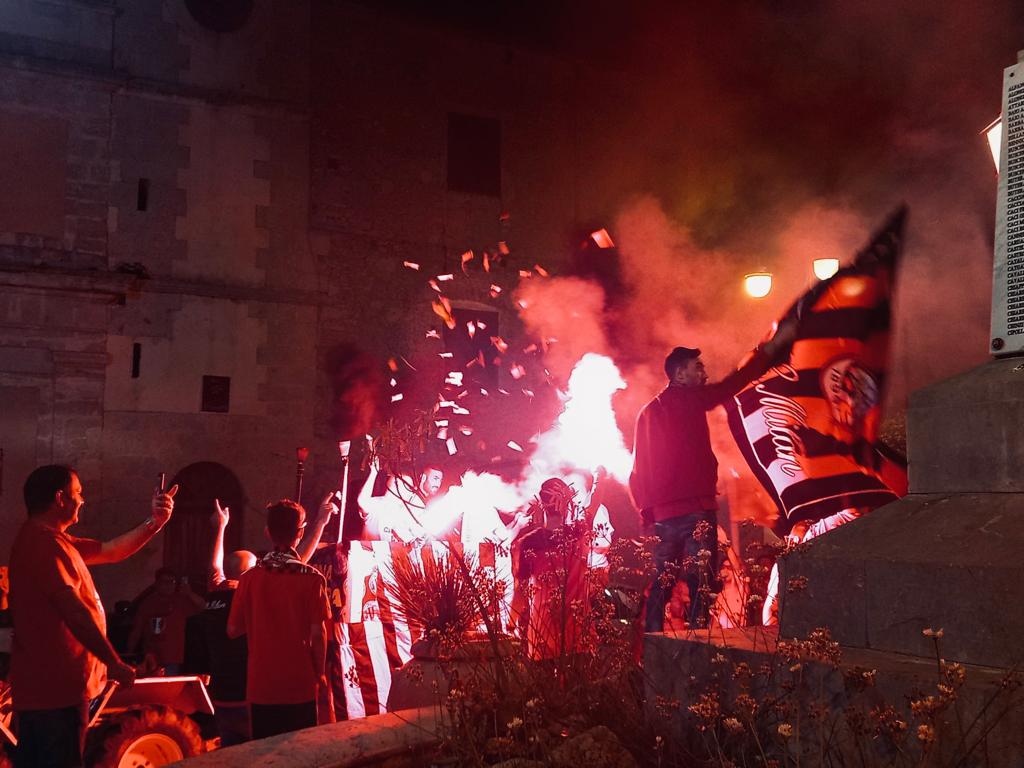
136	359
142	195
216	394
474	155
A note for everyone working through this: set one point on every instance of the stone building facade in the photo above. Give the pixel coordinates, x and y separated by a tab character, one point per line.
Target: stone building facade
196	207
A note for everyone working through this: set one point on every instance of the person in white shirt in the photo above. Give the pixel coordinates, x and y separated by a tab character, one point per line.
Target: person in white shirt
588	506
396	515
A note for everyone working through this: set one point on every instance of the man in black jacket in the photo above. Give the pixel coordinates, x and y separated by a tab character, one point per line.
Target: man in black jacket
675	473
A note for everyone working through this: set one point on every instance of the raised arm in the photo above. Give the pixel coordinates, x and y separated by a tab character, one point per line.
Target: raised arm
127	544
220	519
328	508
506	534
753	367
365	499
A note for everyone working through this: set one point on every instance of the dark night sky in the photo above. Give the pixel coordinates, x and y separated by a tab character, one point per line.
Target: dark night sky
762	115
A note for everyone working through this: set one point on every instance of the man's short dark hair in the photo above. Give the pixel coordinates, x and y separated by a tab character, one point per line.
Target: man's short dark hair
42	485
285	519
679	357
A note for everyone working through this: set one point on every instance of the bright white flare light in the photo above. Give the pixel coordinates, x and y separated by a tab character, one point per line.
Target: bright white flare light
994	134
585	436
758	284
825	268
477	496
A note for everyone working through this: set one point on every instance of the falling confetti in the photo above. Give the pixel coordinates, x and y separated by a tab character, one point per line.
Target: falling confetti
495	291
540	270
443	309
452	449
471	329
515	446
466	258
503	248
411	265
499	344
433	334
396	398
525	273
445	278
446	355
517	371
433	284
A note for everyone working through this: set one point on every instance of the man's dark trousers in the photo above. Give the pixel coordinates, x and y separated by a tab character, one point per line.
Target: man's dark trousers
50	738
675	547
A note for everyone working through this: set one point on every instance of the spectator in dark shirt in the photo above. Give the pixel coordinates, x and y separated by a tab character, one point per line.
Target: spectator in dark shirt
223	658
160	622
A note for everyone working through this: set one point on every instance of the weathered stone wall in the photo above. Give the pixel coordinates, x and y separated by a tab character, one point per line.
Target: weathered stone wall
215	128
236	204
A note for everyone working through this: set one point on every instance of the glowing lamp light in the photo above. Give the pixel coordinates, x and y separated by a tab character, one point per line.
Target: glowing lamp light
825	268
994	134
758	284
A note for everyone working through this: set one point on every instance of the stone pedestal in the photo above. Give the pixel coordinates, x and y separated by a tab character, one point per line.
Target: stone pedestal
950	554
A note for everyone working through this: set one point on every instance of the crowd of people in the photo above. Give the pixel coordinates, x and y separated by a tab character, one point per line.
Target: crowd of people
262	631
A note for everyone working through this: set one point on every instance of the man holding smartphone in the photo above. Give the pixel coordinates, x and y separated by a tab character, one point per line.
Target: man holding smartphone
61	657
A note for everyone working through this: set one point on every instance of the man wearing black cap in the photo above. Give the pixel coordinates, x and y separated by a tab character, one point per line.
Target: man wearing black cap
675	473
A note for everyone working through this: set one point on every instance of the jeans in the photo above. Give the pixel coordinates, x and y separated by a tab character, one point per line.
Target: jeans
676	544
50	738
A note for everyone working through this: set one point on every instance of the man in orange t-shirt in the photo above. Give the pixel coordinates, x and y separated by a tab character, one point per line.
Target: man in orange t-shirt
281	606
61	657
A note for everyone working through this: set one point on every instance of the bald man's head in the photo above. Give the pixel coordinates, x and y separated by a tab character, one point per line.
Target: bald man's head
238	562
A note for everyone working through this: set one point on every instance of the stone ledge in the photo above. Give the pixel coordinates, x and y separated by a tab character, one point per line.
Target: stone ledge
680	665
339	745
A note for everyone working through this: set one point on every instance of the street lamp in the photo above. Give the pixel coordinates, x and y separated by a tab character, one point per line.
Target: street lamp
825	268
758	284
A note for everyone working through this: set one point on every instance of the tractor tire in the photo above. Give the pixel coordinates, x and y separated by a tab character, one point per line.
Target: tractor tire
145	738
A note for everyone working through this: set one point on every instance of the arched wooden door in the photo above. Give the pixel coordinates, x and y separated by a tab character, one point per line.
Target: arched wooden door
188	538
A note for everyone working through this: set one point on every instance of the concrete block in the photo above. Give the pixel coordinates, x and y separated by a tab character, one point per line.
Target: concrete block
965	432
950	562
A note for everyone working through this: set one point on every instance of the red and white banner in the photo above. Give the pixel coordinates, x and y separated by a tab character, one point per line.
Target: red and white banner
373	638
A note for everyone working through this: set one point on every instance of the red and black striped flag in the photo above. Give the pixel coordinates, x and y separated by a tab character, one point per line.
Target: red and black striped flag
808	428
